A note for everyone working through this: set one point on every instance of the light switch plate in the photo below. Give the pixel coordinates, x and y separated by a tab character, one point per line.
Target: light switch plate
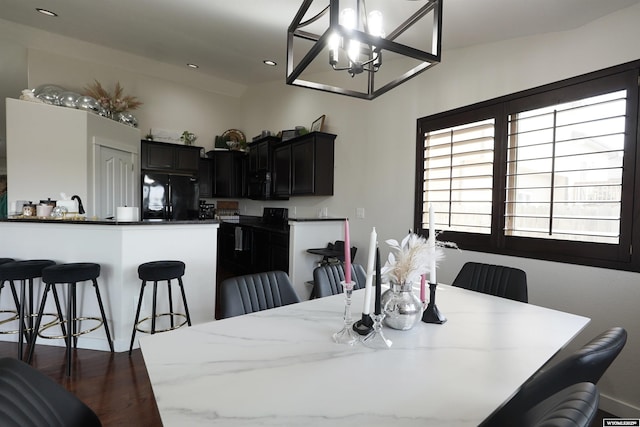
360	213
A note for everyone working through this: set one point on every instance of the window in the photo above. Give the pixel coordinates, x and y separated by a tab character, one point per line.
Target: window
459	176
547	173
564	170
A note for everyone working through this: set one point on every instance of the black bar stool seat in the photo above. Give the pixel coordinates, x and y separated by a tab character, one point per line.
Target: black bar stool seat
71	274
25	272
156	271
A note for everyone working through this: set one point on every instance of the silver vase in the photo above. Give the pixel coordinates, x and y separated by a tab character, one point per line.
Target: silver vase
402	308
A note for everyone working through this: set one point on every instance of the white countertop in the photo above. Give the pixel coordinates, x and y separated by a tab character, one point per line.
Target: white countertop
280	367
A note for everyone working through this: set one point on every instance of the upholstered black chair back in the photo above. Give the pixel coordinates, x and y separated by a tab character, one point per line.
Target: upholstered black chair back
327	278
587	364
575	406
29	398
255	292
498	280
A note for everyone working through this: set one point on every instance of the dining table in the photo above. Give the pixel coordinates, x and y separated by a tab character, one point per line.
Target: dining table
281	367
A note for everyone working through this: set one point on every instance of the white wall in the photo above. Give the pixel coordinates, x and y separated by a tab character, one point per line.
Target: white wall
13	78
375	166
167	104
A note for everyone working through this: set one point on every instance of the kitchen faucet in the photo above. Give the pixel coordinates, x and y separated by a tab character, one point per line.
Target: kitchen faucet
80	207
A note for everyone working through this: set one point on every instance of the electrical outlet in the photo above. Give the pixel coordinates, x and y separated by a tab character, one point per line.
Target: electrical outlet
324	213
360	213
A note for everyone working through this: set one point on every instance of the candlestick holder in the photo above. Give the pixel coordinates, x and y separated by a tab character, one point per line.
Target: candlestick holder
346	334
363	326
431	314
376	339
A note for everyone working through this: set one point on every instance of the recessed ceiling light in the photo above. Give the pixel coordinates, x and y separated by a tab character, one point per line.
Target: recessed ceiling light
270	62
193	66
46	12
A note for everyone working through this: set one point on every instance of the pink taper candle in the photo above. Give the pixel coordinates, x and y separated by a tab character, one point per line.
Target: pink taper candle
347	252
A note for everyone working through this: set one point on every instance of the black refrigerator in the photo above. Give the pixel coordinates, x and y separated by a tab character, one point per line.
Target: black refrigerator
168	197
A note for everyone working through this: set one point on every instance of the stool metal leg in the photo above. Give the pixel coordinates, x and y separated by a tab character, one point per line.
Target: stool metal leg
16	300
153	309
36	327
170	303
184	300
56	298
21	324
135	322
74	308
104	317
30	310
71	325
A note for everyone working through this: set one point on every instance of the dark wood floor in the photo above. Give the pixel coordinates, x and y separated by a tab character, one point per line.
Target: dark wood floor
115	386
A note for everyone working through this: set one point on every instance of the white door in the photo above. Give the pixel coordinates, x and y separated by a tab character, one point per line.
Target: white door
116	184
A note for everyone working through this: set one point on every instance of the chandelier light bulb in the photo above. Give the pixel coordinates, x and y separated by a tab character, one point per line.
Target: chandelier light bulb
375	23
348	18
334	47
354	50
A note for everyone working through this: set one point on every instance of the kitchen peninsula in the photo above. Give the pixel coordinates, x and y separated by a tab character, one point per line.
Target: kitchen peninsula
119	247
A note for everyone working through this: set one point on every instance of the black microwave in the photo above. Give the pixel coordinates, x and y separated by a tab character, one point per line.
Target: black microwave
259	185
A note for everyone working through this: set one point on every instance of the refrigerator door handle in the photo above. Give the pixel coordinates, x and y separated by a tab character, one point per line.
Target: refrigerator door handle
169	202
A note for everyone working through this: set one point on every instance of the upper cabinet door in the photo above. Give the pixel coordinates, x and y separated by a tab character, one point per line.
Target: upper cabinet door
162	156
282	171
303	166
187	158
157	156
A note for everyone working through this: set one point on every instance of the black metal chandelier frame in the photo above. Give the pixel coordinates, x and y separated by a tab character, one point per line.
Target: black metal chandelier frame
376	45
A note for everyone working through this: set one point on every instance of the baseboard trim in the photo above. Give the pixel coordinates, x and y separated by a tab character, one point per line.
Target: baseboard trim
618	408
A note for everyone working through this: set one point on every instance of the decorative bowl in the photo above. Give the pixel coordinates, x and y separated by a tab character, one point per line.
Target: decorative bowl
128	119
88	103
68	99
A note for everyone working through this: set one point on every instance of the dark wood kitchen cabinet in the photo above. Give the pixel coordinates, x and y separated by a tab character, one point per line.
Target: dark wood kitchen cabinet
229	174
260	153
281	174
303	166
163	156
205	177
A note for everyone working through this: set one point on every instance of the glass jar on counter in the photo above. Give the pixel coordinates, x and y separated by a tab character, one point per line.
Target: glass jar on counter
29	209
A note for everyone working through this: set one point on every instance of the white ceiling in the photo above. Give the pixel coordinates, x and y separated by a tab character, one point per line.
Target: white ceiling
230	38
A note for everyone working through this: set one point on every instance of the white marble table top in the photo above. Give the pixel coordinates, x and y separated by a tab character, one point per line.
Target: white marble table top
280	367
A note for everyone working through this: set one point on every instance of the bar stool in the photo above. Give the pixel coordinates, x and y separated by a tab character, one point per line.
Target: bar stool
25	272
70	274
156	271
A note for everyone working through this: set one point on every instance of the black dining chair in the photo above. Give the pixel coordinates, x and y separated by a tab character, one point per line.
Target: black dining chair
587	364
29	398
327	278
574	406
255	292
497	280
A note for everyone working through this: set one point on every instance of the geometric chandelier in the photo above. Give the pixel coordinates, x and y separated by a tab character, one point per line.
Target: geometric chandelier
362	48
